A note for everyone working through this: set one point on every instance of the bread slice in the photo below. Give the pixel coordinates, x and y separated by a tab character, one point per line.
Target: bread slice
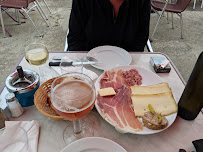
151	89
163	103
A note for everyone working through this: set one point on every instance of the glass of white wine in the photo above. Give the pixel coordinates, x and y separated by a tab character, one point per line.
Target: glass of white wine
37	54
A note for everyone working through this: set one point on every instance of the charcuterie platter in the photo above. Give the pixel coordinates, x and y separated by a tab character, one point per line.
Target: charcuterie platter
123	108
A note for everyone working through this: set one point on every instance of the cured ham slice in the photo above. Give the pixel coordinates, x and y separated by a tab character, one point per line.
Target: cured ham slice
119	109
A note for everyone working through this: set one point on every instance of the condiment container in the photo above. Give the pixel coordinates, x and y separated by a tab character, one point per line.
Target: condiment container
13	105
24	92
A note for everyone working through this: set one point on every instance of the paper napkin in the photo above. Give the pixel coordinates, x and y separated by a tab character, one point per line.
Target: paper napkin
12	131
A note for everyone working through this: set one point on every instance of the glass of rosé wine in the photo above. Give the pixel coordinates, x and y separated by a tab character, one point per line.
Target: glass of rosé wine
73	96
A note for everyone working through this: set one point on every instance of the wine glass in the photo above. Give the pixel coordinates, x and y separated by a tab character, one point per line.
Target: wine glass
37	54
13	138
73	96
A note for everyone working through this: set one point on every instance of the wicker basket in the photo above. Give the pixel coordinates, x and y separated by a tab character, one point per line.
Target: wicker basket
42	100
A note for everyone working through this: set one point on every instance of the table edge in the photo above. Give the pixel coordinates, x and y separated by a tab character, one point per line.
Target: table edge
175	68
180	76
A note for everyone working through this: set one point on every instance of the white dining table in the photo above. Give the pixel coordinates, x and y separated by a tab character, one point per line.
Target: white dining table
178	136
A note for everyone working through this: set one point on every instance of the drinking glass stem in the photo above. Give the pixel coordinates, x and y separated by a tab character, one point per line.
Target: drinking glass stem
41	73
77	126
82	67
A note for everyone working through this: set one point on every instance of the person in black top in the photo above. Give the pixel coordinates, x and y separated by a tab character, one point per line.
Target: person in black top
122	23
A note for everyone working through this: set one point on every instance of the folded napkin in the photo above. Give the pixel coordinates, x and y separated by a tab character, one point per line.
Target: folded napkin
91	74
19	130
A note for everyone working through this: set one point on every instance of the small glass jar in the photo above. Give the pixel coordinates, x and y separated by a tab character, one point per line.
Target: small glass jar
14	105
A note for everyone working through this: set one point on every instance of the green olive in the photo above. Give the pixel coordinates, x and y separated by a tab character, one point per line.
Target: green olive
151	109
159	118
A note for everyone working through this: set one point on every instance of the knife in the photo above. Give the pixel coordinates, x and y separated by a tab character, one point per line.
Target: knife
70	63
56	57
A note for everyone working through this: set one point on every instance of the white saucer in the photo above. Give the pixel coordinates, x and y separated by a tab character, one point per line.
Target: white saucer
94	144
110	57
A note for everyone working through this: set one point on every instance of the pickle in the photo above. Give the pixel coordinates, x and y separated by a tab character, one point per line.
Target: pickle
159	118
151	109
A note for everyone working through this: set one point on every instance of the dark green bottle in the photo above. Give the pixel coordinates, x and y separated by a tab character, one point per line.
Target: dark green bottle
191	101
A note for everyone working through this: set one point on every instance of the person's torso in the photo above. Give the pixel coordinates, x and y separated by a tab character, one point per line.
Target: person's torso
101	27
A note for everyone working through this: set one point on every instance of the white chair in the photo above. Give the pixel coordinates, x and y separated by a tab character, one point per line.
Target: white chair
195	4
202	4
26	11
2	23
178	7
37	2
66	42
23	5
149	47
47	5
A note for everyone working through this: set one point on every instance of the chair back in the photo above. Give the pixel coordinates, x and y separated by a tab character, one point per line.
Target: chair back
29	1
181	5
14	3
2	1
26	2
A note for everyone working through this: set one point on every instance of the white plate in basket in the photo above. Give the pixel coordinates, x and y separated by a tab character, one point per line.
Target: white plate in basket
109	57
148	78
94	144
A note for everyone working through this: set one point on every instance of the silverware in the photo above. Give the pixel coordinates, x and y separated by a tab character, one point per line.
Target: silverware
85	58
89	58
70	63
56	57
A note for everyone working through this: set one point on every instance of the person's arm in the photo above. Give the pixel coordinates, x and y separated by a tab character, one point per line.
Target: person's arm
143	28
75	38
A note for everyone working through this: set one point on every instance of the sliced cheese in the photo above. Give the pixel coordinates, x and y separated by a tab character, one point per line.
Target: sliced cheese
163	103
107	92
150	89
